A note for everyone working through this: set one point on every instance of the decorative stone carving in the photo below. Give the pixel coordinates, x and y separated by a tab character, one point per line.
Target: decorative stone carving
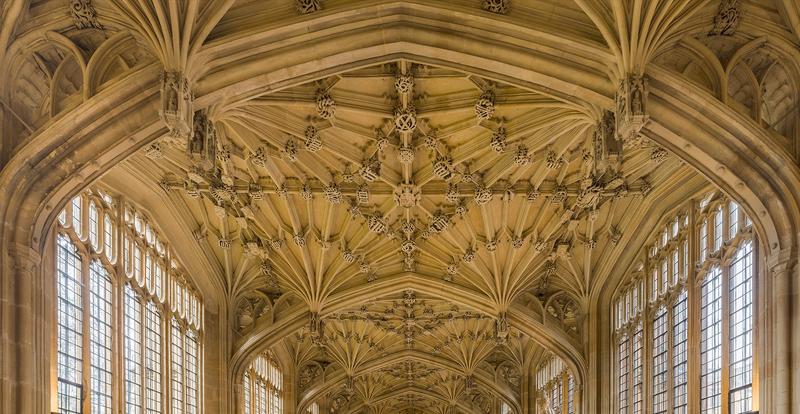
192	190
176	106
333	194
439	222
305	192
316	329
406	154
408	247
644	186
497	6
221	193
313	139
153	151
404	83
290	149
405	119
84	15
658	154
589	196
452	195
443	167
532	194
381	140
255	191
727	19
407	195
559	195
431	140
308	6
483	194
202	144
510	374
501	328
522	157
631	109
371	169
326	106
260	157
348	256
376	223
308	375
362	194
565	310
498	142
485	106
469	255
606	145
553	161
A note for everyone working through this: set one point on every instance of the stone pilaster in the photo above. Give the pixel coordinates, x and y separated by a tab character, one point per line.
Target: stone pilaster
25	354
777	358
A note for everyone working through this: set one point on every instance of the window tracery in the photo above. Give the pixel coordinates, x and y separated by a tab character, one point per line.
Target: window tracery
720	284
142	290
262	386
556	386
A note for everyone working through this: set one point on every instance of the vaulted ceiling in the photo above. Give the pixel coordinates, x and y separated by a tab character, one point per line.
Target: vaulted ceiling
477	215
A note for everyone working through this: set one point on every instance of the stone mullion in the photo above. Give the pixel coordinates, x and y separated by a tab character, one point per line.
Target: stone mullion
166	355
693	308
756	284
85	323
669	362
120	277
726	319
647	359
564	378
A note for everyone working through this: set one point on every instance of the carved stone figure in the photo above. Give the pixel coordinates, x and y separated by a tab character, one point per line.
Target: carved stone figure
631	115
202	143
176	106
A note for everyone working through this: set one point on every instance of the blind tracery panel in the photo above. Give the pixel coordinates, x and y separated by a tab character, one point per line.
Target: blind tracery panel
109	320
717	292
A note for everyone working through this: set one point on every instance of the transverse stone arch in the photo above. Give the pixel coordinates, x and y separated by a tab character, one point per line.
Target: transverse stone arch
777	223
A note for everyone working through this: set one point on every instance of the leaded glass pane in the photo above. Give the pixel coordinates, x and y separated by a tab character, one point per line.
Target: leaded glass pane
70	326
741	330
680	328
660	361
133	351
100	337
711	342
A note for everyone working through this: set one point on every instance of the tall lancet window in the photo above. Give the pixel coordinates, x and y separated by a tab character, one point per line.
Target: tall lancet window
262	385
711	283
96	303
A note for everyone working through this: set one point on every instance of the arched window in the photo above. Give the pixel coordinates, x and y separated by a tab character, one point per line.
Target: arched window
262	386
556	386
720	285
112	329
